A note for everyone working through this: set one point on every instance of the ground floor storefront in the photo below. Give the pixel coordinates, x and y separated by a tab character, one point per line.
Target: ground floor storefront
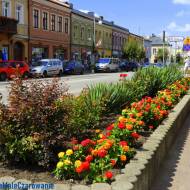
14	47
104	52
48	49
83	53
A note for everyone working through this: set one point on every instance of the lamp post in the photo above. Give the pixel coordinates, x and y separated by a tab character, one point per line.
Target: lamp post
94	34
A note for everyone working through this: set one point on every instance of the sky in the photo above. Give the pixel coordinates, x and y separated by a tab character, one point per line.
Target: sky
143	17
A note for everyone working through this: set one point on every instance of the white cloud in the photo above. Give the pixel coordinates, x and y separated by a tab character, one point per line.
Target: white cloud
183	2
174	27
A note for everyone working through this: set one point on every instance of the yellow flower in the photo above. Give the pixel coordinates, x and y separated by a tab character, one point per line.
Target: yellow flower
67	162
78	163
101	136
120	118
61	154
69	152
60	165
97	130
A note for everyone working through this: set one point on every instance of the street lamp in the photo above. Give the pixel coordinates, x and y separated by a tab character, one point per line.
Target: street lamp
100	21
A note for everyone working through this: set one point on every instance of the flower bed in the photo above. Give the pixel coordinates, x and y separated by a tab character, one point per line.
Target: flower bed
94	159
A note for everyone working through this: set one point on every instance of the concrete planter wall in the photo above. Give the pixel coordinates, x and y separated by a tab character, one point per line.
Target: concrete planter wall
140	172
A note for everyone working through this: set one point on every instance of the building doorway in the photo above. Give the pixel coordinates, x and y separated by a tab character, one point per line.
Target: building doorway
18	51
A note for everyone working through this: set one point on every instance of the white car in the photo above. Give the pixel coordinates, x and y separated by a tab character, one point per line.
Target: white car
47	67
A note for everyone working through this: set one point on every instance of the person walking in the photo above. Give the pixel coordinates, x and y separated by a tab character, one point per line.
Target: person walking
187	65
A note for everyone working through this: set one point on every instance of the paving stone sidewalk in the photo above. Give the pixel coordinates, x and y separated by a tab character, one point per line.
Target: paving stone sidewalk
175	171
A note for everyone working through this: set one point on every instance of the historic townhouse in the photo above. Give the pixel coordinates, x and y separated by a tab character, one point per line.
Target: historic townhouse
49	30
137	38
104	38
14	29
81	35
120	37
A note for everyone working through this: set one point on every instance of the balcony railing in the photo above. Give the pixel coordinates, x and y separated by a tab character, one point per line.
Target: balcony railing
8	25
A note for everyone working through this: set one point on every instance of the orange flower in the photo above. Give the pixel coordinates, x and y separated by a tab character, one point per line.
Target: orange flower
141	123
107	146
123	158
129	127
94	152
139	114
126	148
100	141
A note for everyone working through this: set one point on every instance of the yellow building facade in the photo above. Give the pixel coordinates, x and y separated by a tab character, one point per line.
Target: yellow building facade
137	38
14	29
104	39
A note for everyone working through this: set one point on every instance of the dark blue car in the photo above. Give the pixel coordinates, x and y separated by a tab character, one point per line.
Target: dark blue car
73	67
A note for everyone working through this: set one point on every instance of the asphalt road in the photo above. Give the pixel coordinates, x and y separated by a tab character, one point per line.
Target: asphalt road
75	83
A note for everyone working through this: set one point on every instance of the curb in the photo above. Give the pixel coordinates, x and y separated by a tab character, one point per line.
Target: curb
142	169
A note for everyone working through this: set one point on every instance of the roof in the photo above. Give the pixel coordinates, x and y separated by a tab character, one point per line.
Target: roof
157	41
136	35
85	15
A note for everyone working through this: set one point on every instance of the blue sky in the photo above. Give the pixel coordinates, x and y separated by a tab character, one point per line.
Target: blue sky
143	17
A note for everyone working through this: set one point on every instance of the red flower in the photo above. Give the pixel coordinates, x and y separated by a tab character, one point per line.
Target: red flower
85	165
135	135
79	169
113	162
102	153
108	134
86	142
121	126
123	143
76	147
110	127
89	158
108	174
151	127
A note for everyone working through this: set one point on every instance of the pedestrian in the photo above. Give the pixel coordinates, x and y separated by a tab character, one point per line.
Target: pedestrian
187	65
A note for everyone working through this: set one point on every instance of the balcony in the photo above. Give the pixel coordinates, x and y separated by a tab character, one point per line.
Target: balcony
8	25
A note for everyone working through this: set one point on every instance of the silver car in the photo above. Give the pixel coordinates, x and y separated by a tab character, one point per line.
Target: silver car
47	67
107	65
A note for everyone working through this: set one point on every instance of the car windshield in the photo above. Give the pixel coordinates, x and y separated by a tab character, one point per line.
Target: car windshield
104	61
40	63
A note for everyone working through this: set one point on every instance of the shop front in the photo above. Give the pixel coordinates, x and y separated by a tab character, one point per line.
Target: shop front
39	53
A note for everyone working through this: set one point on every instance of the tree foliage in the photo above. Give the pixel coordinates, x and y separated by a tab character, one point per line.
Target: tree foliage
133	51
161	53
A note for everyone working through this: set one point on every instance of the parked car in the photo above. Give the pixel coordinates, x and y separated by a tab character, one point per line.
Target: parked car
73	67
129	66
160	65
107	65
146	65
9	69
47	67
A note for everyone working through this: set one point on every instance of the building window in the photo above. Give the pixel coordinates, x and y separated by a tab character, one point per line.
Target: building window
45	20
66	25
52	22
154	51
89	34
82	33
60	24
6	4
75	32
20	13
36	18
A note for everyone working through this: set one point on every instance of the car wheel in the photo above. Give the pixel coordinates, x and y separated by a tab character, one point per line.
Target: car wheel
26	75
3	76
60	73
45	74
